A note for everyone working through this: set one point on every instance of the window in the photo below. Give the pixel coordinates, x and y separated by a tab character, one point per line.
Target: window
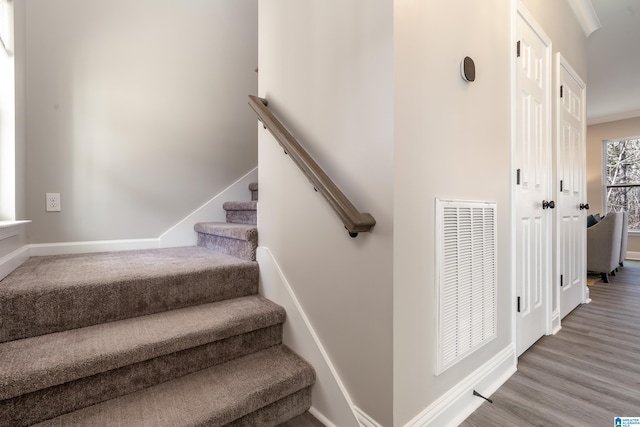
622	178
6	25
7	115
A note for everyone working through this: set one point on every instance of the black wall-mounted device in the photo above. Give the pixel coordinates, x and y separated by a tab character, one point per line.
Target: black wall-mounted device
468	69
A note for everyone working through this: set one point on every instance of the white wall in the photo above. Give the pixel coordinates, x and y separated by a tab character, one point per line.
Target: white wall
560	24
452	141
137	112
326	69
595	188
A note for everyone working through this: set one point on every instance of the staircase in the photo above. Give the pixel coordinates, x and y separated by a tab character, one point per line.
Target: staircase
165	337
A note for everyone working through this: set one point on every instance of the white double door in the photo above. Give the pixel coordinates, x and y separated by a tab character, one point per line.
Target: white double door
544	254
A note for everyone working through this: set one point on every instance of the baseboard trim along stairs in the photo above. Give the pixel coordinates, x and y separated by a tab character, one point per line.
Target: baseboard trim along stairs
152	337
332	404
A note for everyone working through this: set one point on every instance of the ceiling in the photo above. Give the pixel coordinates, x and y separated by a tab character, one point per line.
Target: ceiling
613	62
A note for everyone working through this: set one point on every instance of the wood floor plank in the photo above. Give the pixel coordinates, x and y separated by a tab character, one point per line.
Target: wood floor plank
625	378
586	374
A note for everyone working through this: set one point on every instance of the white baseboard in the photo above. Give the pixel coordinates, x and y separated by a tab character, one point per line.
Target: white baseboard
555	322
587	299
452	408
13	260
331	402
364	419
44	249
634	256
320	417
183	234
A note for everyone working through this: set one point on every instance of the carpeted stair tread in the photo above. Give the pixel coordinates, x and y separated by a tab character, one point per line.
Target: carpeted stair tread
40	405
39	362
240	206
52	271
57	293
213	397
244	232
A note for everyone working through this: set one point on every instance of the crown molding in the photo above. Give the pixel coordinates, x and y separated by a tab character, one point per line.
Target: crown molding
586	15
613	117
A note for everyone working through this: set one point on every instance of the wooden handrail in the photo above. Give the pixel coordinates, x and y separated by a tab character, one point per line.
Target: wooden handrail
354	221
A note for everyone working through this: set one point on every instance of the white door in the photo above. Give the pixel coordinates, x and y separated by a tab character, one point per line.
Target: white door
571	194
533	156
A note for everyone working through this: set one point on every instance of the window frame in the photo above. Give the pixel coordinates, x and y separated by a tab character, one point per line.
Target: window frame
606	186
6	25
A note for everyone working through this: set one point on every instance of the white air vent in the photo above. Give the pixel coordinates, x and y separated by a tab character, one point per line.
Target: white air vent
466	278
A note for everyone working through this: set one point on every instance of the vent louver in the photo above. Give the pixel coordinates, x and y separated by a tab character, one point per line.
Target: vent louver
466	278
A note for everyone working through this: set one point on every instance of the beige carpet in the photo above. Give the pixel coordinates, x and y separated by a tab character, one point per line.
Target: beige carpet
593	279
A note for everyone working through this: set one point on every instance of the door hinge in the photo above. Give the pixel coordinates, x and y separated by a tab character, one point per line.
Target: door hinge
561	280
518	177
561	186
561	91
518	304
518	49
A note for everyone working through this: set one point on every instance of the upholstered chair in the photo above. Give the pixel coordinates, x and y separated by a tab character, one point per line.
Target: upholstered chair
604	241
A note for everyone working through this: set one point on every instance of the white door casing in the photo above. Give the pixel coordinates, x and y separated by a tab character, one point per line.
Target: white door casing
571	187
533	158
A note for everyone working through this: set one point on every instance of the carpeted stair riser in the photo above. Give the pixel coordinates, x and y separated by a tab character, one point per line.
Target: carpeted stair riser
278	412
242	217
53	401
52	307
253	187
229	246
241	212
215	396
237	240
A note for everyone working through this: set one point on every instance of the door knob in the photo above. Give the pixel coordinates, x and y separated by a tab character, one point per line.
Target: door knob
551	204
584	206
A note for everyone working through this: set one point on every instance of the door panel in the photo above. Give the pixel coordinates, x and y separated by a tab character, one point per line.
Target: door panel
534	162
571	170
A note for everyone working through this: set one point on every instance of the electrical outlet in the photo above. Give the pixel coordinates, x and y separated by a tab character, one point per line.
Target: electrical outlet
53	202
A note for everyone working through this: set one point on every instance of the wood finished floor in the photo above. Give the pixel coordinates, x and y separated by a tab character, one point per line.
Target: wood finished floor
586	374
